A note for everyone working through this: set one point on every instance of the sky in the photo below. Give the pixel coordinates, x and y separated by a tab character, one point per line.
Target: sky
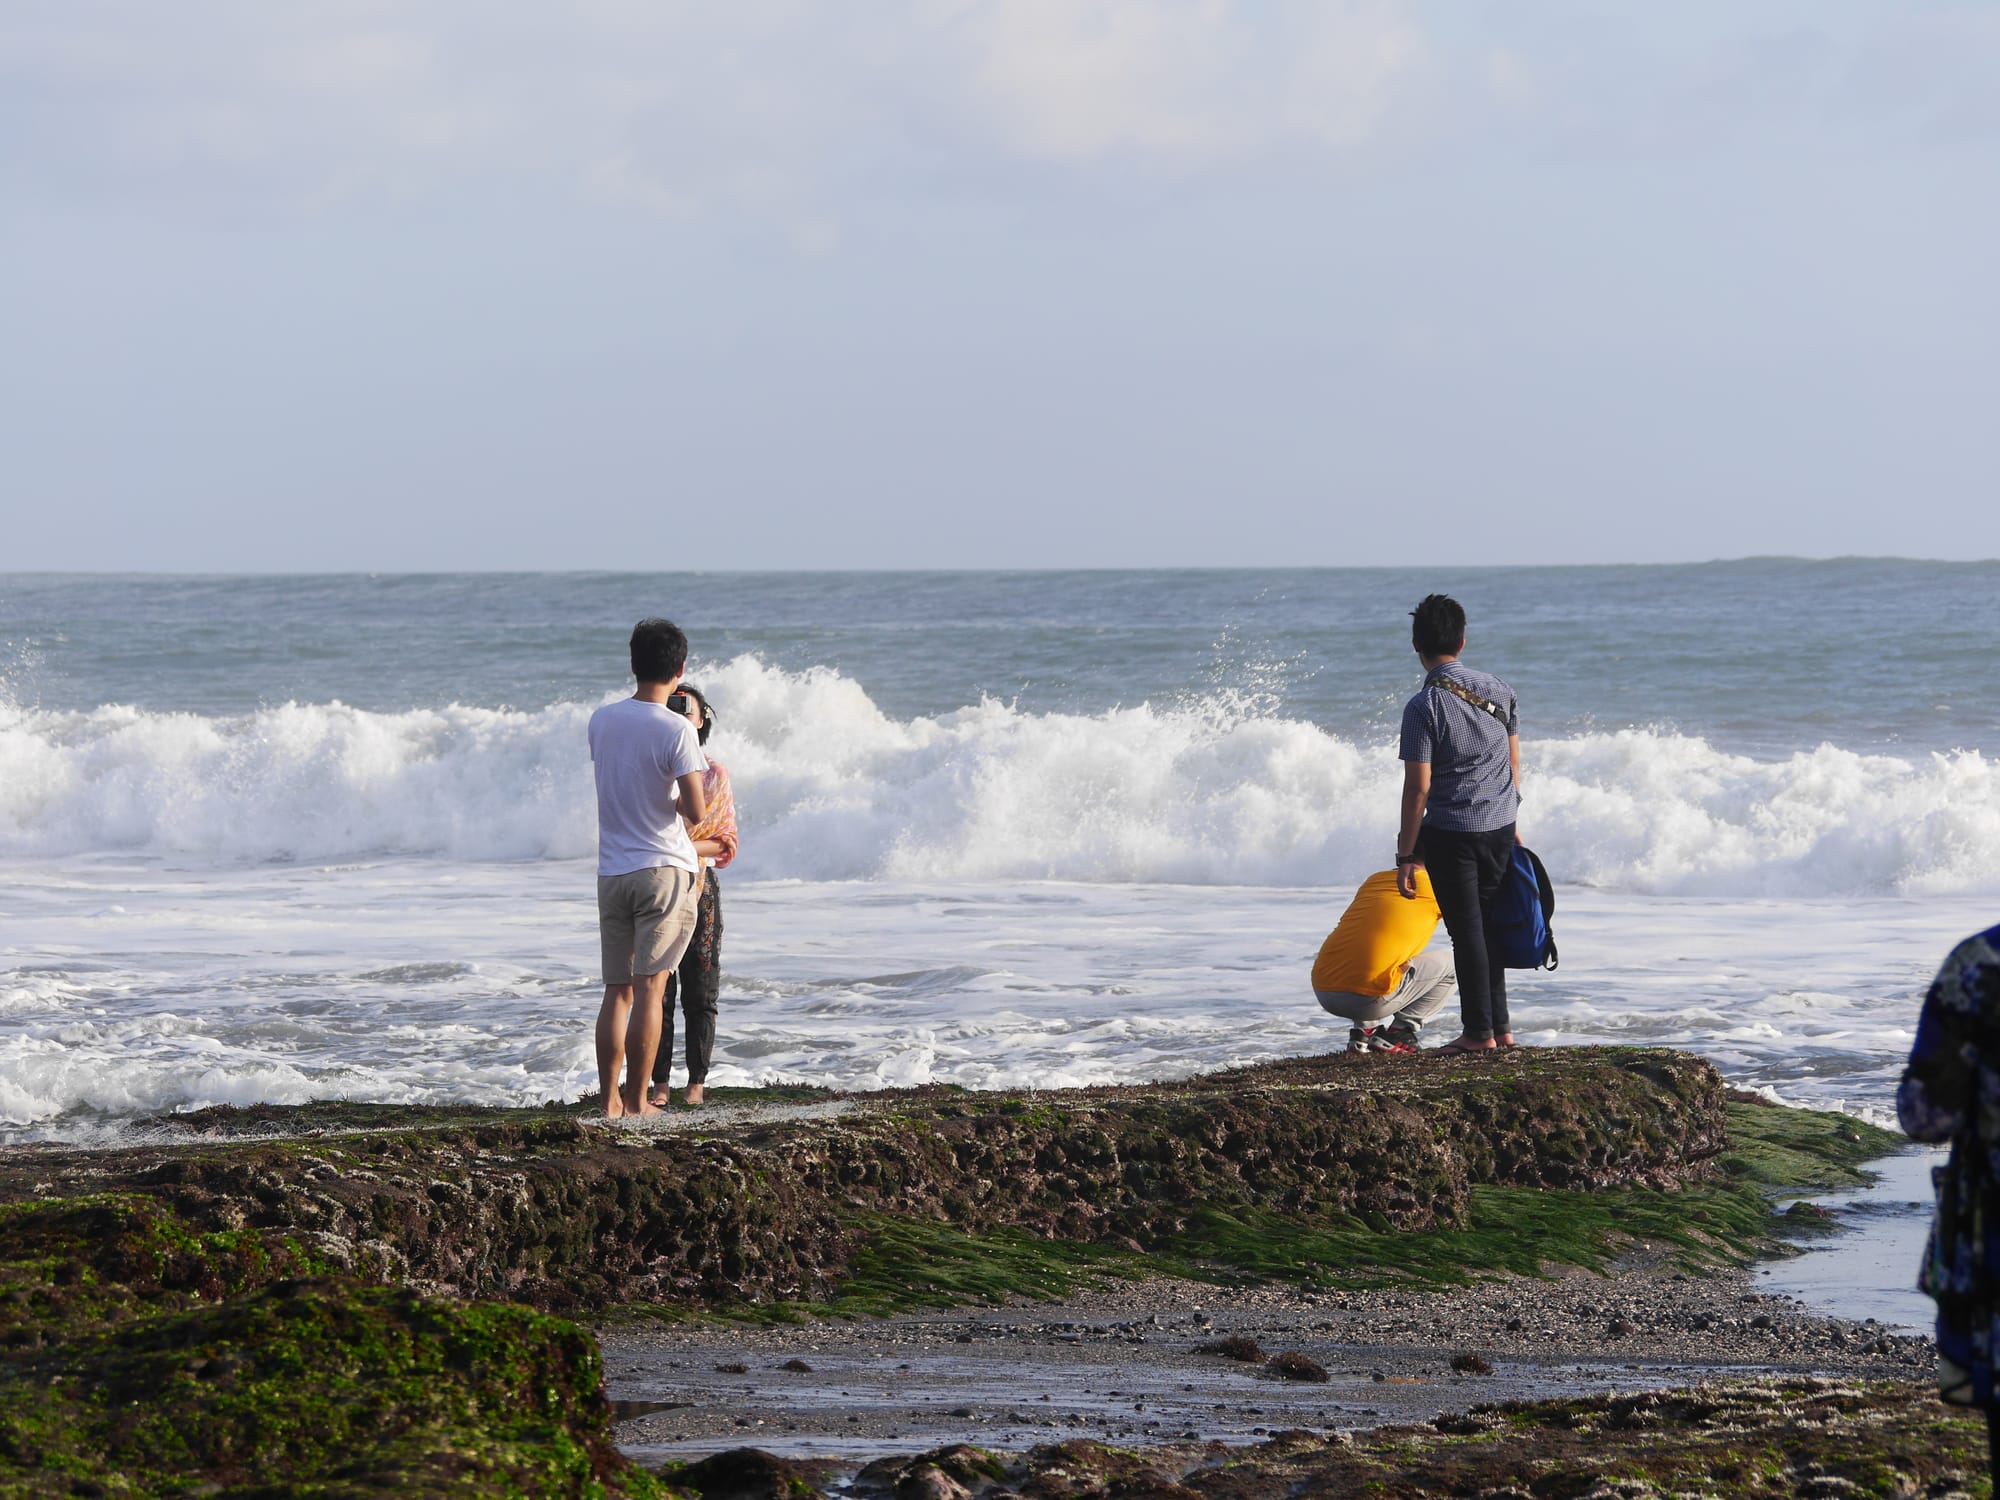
383	285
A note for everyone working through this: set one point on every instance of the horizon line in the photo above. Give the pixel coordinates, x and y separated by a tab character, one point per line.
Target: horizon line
281	572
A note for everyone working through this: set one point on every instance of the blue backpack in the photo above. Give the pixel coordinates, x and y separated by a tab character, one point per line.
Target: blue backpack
1521	914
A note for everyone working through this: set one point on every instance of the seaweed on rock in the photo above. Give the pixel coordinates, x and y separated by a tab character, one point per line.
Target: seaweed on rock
1764	1440
316	1386
278	1314
544	1208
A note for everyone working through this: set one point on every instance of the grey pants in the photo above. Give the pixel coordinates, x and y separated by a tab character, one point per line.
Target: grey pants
1427	984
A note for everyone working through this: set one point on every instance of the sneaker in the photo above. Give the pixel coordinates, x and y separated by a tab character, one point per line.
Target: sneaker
1362	1041
1399	1039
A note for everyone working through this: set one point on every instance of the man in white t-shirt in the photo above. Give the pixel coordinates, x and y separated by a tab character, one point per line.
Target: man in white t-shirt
648	763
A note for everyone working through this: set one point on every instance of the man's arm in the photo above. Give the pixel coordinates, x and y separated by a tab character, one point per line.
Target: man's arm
694	802
1416	792
1514	765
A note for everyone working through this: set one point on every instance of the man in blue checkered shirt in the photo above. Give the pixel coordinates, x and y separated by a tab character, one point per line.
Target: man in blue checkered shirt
1461	754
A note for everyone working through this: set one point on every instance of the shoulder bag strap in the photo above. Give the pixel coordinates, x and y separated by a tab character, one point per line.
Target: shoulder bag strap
1460	690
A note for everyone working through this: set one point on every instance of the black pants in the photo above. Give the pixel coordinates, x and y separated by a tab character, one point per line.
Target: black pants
697	984
1467	870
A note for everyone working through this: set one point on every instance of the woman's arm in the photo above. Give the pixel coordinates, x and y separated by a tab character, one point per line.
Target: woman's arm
715	839
721	829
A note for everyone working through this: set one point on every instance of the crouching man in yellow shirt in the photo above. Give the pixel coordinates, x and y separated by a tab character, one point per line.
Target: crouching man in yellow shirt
1374	966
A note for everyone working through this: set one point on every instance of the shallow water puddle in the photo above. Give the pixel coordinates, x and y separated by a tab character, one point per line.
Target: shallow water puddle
1025	1385
1868	1269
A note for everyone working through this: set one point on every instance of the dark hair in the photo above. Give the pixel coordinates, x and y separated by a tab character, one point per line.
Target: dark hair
707	713
659	651
1437	626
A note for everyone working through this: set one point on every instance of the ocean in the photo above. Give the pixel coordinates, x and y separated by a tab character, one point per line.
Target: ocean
291	838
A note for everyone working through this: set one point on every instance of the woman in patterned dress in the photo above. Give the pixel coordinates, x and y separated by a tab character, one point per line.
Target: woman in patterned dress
697	983
1951	1092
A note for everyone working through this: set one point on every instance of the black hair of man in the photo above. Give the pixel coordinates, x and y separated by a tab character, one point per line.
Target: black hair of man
707	713
659	651
1437	626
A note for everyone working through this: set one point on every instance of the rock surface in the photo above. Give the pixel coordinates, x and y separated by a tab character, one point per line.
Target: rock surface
269	1302
564	1213
1126	1363
1777	1439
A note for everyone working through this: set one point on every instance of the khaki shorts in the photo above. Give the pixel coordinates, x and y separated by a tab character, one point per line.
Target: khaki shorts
645	920
1428	981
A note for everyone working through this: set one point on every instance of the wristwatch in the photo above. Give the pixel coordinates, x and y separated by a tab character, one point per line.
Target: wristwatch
1407	859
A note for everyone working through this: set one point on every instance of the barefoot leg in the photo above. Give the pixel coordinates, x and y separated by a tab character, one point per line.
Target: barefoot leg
1469	1044
611	1028
642	1042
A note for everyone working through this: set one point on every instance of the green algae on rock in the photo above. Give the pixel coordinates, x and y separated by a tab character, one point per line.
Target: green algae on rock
1752	1440
1801	1149
209	1315
316	1387
341	1116
71	1265
545	1208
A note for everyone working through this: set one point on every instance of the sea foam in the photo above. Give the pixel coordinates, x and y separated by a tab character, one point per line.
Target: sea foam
831	788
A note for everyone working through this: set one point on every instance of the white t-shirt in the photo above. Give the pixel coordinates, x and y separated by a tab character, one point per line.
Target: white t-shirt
639	750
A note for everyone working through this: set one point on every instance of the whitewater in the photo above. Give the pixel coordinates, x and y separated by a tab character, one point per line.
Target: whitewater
835	789
278	840
317	901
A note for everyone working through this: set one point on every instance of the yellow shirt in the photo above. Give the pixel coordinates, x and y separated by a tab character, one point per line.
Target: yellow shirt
1378	935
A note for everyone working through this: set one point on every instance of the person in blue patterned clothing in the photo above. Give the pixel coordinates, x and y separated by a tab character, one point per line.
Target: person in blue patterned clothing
1951	1092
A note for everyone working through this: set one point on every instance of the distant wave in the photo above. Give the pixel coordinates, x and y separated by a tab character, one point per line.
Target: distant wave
832	788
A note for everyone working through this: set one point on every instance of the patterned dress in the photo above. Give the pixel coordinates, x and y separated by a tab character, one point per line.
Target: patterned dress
1951	1092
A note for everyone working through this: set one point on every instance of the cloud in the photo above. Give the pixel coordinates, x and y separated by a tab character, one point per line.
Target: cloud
1186	79
680	106
788	111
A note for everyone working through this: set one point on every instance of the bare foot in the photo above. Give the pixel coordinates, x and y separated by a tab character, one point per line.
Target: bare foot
640	1105
1469	1044
614	1108
1505	1039
693	1097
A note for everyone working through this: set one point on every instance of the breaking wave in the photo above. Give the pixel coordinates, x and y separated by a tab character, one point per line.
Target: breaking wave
831	788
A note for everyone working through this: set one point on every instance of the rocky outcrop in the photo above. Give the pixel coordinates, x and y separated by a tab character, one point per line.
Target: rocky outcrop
1776	1439
553	1210
139	1356
262	1316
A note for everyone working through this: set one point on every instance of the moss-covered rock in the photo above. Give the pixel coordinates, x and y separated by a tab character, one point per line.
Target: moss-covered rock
747	1474
1798	1150
1768	1440
267	1305
140	1355
315	1387
549	1209
68	1266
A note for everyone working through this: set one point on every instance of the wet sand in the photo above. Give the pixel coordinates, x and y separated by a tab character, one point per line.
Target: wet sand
1122	1364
